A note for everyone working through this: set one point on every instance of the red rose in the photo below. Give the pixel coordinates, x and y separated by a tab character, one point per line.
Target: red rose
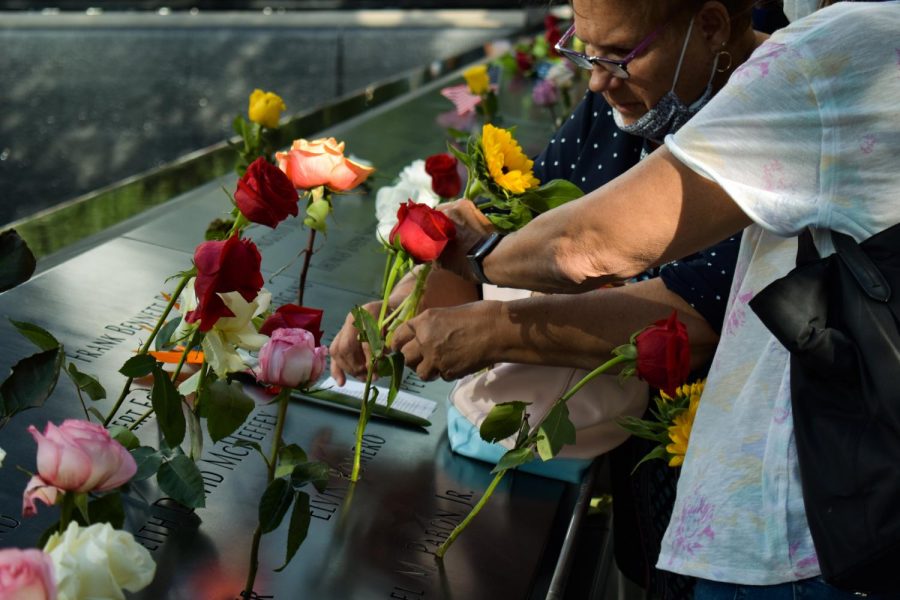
292	316
664	354
265	195
552	34
445	180
423	232
524	61
229	266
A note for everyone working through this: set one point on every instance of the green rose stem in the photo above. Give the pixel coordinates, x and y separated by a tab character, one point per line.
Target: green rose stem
397	265
146	346
307	256
271	464
530	440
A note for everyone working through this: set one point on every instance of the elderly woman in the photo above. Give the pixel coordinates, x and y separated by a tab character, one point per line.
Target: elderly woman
804	135
647	78
654	70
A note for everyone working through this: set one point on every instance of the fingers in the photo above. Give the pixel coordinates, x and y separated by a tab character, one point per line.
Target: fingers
406	343
348	355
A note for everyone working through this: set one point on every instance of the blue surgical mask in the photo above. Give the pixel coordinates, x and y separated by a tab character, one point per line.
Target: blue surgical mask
670	113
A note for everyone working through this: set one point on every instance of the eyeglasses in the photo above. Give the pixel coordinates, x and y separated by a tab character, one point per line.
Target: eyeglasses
619	68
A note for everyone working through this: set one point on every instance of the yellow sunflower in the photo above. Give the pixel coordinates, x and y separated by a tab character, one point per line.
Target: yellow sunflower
507	164
680	430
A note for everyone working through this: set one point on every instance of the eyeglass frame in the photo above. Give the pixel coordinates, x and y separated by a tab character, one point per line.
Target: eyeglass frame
618	68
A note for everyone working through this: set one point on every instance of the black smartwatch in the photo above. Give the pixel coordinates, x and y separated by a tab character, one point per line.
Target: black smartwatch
479	251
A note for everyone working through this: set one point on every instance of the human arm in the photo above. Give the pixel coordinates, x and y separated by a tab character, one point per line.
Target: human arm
605	236
443	288
564	330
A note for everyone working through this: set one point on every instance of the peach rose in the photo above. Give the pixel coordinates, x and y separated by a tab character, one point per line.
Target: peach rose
309	164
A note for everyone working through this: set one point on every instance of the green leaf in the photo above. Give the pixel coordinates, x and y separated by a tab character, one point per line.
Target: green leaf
503	421
81	503
138	365
31	382
274	504
556	431
164	337
255	446
316	213
180	478
397	362
459	154
17	263
148	462
167	405
226	408
298	528
87	383
124	436
550	195
289	457
365	323
657	453
97	414
514	458
107	509
39	336
310	472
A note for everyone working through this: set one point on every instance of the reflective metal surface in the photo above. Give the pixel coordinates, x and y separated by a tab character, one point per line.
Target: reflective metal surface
373	541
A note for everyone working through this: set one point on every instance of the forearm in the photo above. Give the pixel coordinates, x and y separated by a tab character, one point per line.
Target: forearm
582	330
443	288
636	221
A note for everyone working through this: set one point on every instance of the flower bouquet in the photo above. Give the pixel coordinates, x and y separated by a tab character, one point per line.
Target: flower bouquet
502	176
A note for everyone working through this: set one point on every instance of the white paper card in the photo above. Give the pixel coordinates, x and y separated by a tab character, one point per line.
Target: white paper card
404	402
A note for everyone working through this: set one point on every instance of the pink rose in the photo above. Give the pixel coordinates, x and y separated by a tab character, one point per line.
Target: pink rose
26	575
291	359
78	456
321	162
37	489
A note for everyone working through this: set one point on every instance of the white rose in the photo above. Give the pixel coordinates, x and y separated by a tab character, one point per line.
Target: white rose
412	184
560	75
98	562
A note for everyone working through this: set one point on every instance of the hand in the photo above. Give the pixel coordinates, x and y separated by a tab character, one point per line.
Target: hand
348	354
471	227
448	342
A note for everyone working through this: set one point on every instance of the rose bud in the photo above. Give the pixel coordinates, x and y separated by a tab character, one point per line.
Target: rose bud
664	354
445	180
26	575
421	231
291	359
265	195
229	266
265	108
77	456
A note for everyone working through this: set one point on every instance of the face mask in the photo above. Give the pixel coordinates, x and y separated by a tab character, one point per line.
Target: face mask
670	113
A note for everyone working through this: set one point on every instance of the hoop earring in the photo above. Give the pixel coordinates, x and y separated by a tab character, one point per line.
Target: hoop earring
726	67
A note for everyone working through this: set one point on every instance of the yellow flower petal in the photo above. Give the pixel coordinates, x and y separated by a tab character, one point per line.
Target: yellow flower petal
508	166
477	79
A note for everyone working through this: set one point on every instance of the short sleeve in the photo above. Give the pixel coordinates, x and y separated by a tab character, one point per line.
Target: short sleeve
760	139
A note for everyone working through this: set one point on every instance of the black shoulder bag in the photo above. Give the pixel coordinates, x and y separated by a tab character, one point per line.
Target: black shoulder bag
840	321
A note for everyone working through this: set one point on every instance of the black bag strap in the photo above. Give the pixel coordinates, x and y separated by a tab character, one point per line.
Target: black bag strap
806	248
864	271
867	275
